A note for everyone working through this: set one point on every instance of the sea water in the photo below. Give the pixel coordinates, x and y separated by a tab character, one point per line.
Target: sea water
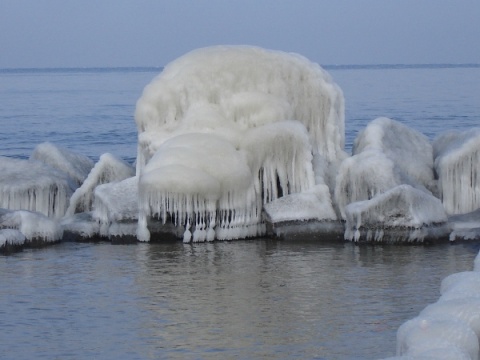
241	299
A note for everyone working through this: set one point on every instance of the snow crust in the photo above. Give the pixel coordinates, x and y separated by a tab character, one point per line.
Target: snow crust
35	186
457	159
108	169
262	115
76	166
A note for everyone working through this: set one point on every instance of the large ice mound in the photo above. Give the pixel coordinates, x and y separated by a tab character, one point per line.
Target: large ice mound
224	130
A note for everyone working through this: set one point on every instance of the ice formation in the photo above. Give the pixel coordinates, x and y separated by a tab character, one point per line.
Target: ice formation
108	169
75	165
457	159
313	204
33	225
385	154
116	203
401	207
35	186
263	115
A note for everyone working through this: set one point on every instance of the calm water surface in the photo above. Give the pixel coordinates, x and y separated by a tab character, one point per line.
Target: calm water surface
262	299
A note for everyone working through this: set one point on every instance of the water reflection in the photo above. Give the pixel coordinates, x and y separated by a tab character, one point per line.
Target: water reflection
242	299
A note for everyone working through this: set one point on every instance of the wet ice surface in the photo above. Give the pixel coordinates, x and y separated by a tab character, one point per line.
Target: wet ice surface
243	299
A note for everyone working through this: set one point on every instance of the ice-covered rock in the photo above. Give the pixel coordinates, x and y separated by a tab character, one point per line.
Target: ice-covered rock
268	115
80	226
385	154
75	165
34	226
313	204
35	186
410	151
109	168
461	285
12	237
426	336
457	159
362	177
403	207
116	202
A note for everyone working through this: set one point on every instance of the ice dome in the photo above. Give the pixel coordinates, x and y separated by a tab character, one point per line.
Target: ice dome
224	130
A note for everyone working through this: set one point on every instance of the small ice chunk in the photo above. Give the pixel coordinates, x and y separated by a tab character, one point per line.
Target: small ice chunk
108	169
35	186
313	204
402	206
76	166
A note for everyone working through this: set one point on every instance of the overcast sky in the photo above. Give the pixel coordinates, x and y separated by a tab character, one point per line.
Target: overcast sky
91	33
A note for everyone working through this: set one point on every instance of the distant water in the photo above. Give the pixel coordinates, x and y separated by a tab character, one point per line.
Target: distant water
241	299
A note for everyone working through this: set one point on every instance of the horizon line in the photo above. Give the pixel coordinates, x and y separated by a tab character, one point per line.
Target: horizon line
327	66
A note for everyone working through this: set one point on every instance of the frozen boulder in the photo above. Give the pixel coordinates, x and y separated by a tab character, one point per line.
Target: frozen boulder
410	151
424	336
35	186
109	168
457	159
116	202
462	285
402	207
76	166
313	204
34	226
362	177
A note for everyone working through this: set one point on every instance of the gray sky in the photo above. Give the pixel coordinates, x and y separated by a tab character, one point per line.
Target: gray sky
86	33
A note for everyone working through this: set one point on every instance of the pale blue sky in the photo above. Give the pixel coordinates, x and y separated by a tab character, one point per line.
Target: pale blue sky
86	33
